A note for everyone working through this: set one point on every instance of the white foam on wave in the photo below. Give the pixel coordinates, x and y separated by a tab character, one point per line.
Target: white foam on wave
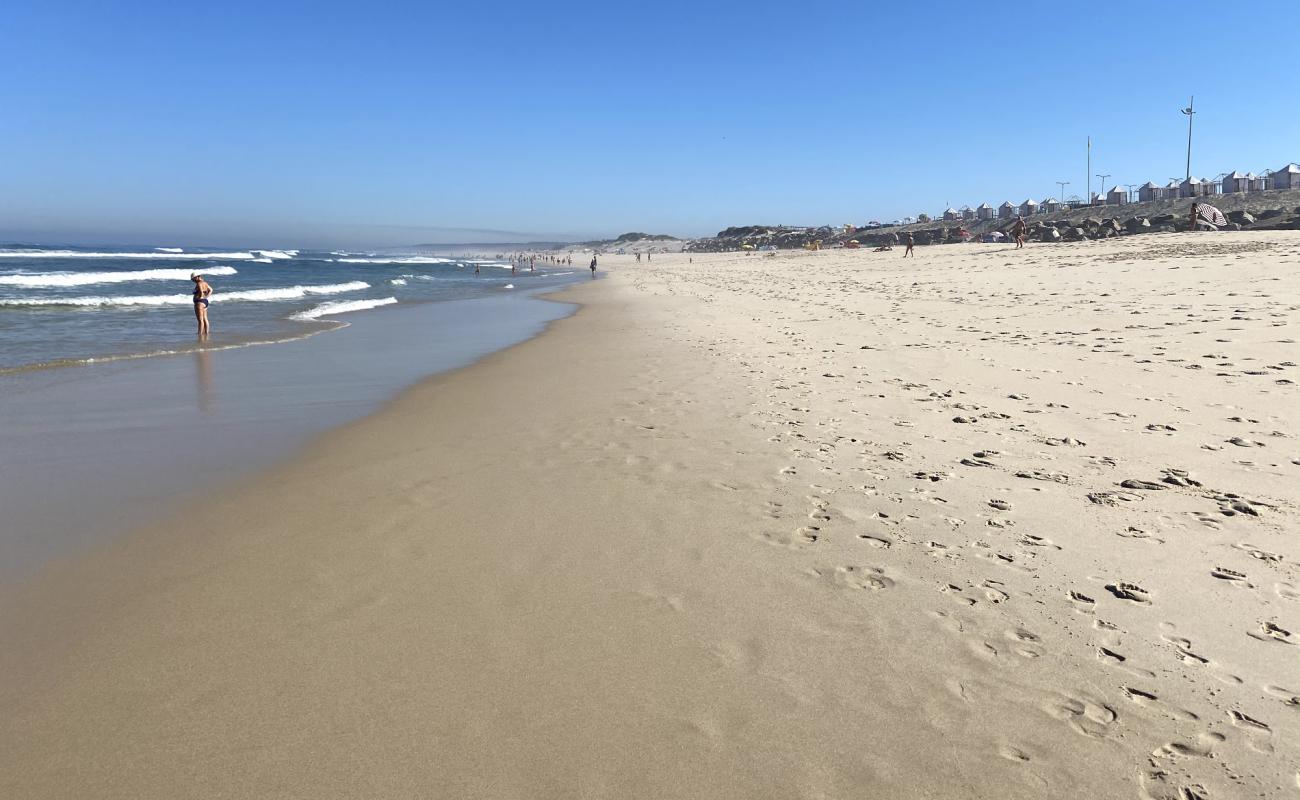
244	256
251	295
274	255
398	281
170	249
342	307
48	279
396	260
509	286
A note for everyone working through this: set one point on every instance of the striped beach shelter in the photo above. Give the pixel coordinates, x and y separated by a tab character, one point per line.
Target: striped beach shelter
1209	215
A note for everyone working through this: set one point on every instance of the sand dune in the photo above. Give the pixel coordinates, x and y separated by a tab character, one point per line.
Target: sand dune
984	524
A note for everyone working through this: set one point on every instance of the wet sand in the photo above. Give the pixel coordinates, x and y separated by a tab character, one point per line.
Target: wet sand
89	452
986	524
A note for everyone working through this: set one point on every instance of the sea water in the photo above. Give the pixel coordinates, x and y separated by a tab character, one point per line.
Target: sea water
113	415
65	306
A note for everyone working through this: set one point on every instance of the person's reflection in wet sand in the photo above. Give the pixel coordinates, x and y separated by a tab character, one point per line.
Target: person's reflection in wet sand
203	372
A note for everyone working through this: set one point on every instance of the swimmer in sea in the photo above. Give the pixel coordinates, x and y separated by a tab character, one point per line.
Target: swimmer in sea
202	291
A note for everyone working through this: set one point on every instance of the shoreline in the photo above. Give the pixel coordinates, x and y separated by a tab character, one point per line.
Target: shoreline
92	453
711	535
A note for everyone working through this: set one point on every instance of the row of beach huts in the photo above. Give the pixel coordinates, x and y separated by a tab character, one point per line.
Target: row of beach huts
1230	183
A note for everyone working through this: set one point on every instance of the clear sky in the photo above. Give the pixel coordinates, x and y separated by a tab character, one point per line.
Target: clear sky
387	123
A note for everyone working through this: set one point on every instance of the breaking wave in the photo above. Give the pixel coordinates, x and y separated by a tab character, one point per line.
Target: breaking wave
251	295
47	279
342	307
241	256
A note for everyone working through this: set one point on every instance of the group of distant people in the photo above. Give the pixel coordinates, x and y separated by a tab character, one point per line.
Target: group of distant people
517	260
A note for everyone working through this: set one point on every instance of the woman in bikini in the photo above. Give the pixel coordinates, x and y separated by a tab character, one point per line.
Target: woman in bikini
202	291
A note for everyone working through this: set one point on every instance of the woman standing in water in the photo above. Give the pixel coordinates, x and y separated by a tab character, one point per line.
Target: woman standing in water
202	291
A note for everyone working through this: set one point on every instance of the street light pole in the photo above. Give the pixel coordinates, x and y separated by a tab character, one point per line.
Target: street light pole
1103	188
1190	111
1130	187
1089	195
1063	184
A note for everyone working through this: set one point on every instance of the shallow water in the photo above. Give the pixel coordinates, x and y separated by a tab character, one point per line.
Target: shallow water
60	305
88	452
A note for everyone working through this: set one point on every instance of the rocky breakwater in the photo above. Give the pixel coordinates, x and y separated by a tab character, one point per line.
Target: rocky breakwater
757	237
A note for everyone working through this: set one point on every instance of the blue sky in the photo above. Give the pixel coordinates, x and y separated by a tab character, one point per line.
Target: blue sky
387	123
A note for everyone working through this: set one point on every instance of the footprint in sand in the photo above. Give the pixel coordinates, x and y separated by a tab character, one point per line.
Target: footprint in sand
872	578
1129	591
1272	632
1088	717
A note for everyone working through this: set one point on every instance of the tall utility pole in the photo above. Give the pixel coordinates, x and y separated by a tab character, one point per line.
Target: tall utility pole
1063	184
1089	196
1103	188
1130	187
1190	111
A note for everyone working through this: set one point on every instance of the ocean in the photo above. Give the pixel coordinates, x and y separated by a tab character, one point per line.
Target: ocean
67	306
115	415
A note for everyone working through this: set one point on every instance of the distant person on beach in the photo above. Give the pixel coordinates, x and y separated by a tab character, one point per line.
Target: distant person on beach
911	242
202	291
1018	231
884	248
593	266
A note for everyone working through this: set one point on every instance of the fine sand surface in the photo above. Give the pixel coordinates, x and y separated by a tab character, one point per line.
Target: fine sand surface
982	524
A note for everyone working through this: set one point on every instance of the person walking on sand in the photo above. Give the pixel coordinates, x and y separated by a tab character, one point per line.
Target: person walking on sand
1018	231
593	266
202	291
911	242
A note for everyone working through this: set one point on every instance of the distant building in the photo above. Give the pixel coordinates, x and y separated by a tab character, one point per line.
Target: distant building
1287	178
984	211
1173	190
1006	210
1097	200
1195	187
1029	208
1235	182
1149	191
967	212
1257	183
951	214
1051	205
1116	196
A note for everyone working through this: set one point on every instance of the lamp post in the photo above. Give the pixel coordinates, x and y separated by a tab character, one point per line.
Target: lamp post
1103	188
1063	184
1190	111
1131	187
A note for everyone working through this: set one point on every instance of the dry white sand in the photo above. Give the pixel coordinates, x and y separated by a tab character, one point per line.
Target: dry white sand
982	524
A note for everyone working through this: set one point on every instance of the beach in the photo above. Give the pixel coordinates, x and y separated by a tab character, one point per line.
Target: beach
983	524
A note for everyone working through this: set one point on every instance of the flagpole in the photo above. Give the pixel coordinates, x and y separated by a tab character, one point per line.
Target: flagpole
1089	195
1190	111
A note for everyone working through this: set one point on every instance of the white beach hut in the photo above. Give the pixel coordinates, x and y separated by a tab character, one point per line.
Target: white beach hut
1235	182
984	211
1149	191
1006	210
1116	196
951	215
1195	187
1287	178
967	212
1029	207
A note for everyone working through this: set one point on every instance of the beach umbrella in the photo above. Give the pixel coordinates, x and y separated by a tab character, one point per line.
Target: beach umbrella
1210	214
